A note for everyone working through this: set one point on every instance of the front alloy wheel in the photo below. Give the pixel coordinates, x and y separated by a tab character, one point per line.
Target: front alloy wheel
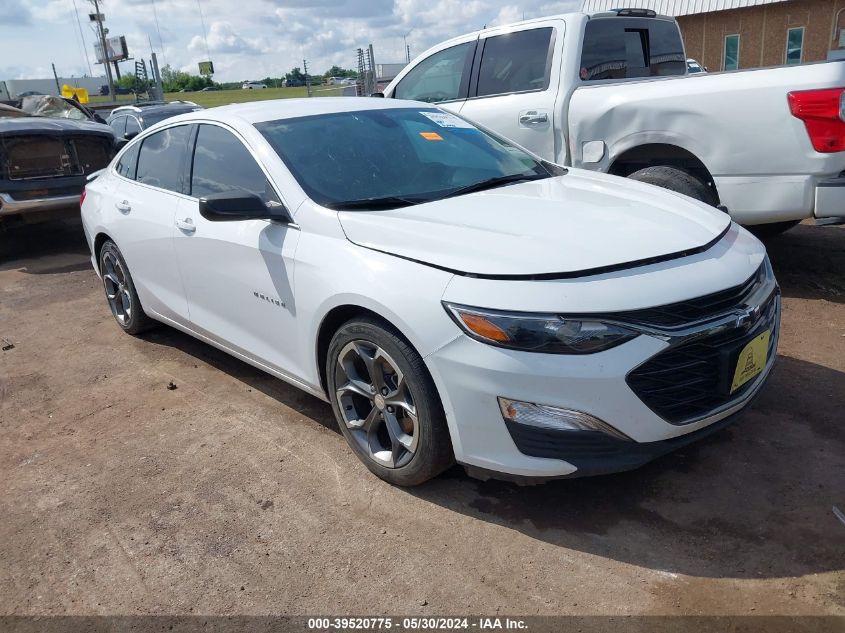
386	404
376	403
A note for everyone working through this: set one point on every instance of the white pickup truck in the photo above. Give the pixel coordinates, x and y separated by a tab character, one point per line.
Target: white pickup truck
610	92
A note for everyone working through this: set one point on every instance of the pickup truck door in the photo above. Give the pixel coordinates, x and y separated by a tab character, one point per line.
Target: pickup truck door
515	83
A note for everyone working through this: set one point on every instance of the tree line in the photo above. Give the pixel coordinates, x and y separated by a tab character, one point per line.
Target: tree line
177	80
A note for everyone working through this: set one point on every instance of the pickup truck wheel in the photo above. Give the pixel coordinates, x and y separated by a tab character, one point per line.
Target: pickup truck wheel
386	403
675	179
120	291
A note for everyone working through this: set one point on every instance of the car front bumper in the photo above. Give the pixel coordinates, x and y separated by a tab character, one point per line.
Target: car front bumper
473	375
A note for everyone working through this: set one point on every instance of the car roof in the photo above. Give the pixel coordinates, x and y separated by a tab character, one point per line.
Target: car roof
272	110
147	108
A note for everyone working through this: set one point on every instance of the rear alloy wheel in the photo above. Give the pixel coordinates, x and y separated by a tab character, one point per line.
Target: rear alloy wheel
120	291
386	404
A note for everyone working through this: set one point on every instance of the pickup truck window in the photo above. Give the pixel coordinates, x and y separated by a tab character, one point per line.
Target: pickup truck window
623	48
438	78
516	62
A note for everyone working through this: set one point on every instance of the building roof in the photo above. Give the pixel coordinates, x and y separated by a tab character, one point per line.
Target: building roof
673	7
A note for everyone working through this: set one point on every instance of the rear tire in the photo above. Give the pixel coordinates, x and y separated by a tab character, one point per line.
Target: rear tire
386	403
120	290
677	180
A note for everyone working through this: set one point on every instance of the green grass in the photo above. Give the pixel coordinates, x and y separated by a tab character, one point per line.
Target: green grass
225	97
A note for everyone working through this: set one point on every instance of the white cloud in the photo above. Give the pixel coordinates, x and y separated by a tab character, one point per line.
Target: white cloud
248	39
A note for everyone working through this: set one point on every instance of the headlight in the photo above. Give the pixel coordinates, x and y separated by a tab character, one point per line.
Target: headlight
545	333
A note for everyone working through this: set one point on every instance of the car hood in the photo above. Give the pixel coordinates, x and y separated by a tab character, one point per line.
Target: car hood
579	223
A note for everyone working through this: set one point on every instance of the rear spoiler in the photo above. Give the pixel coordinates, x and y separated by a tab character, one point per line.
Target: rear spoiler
94	174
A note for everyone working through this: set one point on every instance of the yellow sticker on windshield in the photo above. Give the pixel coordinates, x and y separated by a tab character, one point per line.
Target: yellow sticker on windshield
431	136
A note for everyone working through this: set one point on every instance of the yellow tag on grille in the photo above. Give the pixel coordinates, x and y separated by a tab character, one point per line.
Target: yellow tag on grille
752	360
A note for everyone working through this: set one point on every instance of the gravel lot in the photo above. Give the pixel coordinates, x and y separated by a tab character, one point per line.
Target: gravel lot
235	494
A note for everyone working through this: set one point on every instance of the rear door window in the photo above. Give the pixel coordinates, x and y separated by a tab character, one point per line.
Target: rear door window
516	62
441	77
623	48
132	125
161	161
118	126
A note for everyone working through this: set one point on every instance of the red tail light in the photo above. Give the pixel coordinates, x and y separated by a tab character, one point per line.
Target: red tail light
82	197
822	112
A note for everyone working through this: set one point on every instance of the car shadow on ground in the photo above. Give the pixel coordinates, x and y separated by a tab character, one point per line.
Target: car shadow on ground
751	501
258	380
48	248
809	262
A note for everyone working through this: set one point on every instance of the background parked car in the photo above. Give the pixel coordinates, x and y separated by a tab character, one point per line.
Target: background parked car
253	85
44	163
573	100
128	121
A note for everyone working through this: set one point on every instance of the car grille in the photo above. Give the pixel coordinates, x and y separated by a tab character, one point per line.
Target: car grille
692	380
683	313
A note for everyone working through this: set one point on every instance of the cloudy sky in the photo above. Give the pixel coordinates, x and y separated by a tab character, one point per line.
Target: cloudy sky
247	39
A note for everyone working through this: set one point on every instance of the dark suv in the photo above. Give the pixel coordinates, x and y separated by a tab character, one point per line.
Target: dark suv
128	121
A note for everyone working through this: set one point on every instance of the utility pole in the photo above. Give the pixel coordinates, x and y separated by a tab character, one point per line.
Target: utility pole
307	76
101	33
56	77
157	78
407	48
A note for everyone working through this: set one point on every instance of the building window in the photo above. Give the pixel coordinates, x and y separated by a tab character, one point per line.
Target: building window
794	45
730	61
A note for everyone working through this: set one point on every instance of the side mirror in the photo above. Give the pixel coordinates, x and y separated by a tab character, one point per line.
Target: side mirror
233	206
120	143
378	94
130	135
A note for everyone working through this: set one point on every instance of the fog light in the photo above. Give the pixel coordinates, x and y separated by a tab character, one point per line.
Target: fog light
554	418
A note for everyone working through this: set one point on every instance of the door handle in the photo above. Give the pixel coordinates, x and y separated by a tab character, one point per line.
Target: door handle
533	119
123	207
186	225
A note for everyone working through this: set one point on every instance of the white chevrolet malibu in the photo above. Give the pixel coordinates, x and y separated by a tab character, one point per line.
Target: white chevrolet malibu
453	297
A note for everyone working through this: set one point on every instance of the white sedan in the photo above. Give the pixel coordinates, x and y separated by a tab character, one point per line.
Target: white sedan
453	297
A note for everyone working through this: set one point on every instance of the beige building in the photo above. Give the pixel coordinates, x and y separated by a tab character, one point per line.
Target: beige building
735	34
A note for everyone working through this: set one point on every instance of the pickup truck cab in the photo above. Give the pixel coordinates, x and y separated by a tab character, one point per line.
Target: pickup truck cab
610	92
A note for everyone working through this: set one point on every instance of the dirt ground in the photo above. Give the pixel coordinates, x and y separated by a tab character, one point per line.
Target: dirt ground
235	494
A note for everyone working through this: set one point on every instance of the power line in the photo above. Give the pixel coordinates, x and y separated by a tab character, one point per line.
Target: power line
158	30
205	39
82	40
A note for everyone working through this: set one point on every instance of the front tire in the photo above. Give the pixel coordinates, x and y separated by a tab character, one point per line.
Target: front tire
386	404
120	291
677	180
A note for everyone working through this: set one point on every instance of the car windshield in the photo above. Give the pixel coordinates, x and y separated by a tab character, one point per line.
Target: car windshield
388	158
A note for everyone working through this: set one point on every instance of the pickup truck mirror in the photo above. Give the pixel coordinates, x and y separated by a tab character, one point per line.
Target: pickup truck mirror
233	206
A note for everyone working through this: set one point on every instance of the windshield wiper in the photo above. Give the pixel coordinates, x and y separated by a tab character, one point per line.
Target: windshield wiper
375	204
491	183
